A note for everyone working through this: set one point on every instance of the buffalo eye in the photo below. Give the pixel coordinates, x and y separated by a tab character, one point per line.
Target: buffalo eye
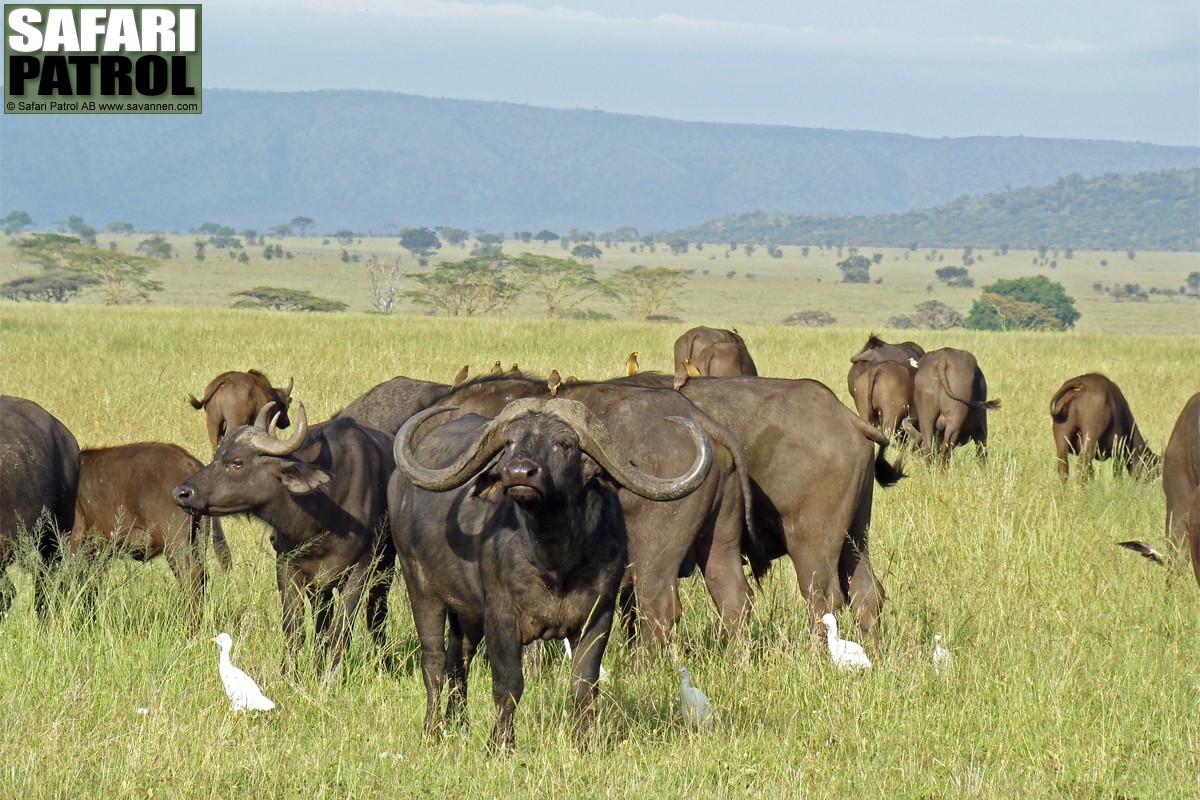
564	445
236	464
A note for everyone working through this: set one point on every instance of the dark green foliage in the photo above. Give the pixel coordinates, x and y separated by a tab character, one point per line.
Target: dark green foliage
1154	210
56	286
477	285
586	251
77	226
452	236
16	222
156	247
280	299
855	269
1036	303
421	242
546	236
955	276
344	236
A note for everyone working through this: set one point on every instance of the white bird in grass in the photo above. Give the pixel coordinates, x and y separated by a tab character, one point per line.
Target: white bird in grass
244	694
603	672
847	656
693	703
943	659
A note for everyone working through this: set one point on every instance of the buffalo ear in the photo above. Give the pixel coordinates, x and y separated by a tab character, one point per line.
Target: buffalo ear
591	469
300	478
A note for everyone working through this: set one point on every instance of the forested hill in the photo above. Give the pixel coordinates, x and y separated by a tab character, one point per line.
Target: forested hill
364	160
1145	211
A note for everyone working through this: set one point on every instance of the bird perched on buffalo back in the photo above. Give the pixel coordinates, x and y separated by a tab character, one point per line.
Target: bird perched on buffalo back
631	363
461	376
496	369
553	382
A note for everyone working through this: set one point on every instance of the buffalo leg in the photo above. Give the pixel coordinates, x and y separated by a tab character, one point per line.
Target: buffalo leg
377	610
464	640
341	620
184	550
429	618
654	562
721	564
293	588
1086	456
508	681
1062	448
586	655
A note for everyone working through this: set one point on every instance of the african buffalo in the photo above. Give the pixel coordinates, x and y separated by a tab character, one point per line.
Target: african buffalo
710	527
884	394
39	474
323	492
813	466
510	529
125	502
691	345
949	393
1181	481
877	351
725	360
1093	420
387	405
233	399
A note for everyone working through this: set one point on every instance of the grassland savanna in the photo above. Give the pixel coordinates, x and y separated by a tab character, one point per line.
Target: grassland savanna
1077	664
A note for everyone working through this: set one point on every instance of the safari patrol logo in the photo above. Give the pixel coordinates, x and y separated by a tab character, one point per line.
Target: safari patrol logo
85	59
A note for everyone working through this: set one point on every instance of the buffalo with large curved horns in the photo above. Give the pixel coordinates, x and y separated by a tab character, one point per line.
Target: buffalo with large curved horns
511	529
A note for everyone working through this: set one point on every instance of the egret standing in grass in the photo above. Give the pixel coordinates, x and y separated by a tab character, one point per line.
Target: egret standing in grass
846	655
943	659
244	694
693	703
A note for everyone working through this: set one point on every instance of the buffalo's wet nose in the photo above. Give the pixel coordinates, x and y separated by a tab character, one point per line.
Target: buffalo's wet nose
182	493
521	469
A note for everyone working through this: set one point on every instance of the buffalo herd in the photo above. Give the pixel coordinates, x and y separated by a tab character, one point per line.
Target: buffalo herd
520	509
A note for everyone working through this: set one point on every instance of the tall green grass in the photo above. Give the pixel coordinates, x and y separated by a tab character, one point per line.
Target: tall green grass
1077	663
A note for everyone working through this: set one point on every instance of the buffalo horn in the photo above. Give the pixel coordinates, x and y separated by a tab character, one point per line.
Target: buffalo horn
595	440
465	466
262	438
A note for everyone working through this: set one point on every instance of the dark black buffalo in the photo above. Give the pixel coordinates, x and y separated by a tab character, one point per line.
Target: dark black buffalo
1181	481
39	474
710	526
1092	418
324	493
532	547
690	350
233	399
125	503
388	405
950	400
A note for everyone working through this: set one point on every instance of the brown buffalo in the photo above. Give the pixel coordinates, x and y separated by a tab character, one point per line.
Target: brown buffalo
949	393
877	351
1093	420
691	345
725	360
39	474
233	399
884	394
125	503
1181	481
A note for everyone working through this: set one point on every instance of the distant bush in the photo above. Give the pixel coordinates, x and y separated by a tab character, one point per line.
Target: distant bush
932	315
280	299
855	269
812	319
955	276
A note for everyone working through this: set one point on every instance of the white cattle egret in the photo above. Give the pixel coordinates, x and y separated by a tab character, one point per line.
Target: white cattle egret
846	655
244	694
943	659
693	703
603	672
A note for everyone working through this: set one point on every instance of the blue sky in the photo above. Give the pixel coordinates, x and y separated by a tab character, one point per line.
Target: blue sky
1094	69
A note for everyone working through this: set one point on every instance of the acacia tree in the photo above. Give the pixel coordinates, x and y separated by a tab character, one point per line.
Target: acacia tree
643	290
122	277
477	285
421	242
282	299
562	284
16	222
302	224
1023	303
